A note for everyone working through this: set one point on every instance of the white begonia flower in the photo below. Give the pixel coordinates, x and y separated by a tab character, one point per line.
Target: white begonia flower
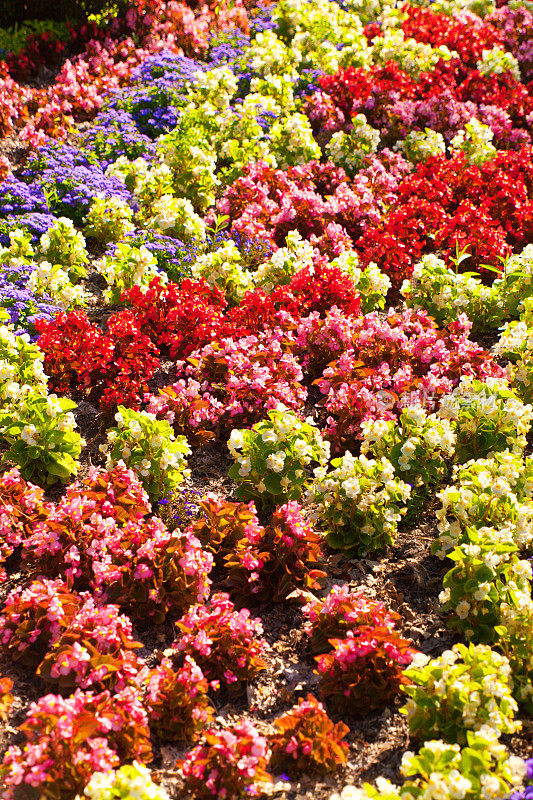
236	440
29	435
276	461
269	436
245	467
462	609
482	592
352	487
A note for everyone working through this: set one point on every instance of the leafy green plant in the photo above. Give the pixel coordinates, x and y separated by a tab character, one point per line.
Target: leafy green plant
148	446
416	444
487	417
271	458
63	244
490	492
474	589
461	690
41	437
361	502
128	266
109	219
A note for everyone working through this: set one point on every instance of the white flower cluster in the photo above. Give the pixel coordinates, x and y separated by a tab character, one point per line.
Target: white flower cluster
109	219
517	618
420	145
359	498
176	217
130	782
316	27
292	142
281	431
272	93
424	431
412	56
65	241
153	441
268	55
21	367
516	343
279	269
51	279
223	268
483	770
475	141
146	182
444	294
372	283
485	407
347	149
127	267
515	338
469	687
492	492
214	88
516	280
497	61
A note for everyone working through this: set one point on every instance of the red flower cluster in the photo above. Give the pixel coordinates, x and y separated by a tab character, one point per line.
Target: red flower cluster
109	369
468	35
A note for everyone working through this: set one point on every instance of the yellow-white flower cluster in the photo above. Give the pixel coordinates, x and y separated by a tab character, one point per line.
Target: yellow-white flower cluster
412	56
130	782
279	269
21	367
497	61
493	491
488	406
53	280
475	141
421	145
223	268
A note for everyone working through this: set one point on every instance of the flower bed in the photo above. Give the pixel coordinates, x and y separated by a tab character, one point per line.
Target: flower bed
266	322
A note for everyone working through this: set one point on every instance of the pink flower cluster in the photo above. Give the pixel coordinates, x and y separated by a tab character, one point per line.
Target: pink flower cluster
68	739
22	505
307	741
342	611
270	562
363	671
72	641
177	701
321	340
240	380
98	535
225	643
394	360
316	199
228	763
